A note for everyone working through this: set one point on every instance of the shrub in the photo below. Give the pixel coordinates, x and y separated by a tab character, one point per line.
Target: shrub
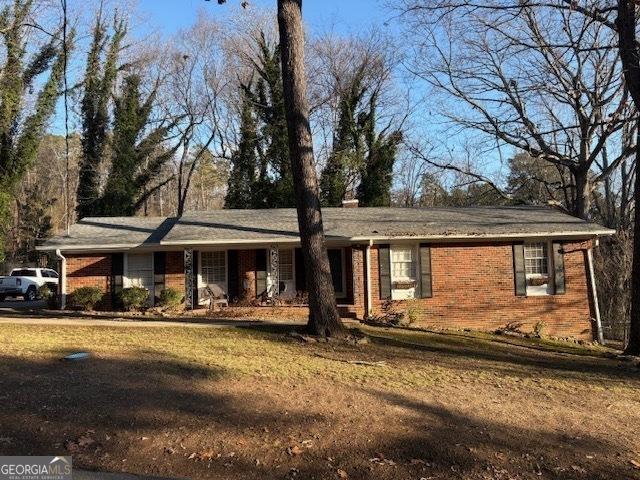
134	298
170	298
391	316
85	298
46	293
538	328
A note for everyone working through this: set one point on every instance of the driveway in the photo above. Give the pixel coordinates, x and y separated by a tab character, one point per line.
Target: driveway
19	304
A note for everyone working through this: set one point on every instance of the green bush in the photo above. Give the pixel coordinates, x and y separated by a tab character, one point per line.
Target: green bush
45	292
134	298
85	298
170	298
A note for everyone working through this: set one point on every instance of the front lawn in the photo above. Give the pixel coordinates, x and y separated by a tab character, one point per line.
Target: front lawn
247	403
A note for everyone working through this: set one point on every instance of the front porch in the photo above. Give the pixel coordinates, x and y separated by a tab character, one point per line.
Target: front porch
271	276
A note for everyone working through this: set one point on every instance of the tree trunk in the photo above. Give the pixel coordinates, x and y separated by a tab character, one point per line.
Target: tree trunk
323	313
630	57
583	194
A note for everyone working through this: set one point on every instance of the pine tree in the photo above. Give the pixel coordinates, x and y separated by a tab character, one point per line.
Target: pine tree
242	179
347	156
274	184
136	159
21	131
99	82
376	179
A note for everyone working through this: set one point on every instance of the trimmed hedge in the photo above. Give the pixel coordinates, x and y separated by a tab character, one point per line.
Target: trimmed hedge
134	298
170	298
85	298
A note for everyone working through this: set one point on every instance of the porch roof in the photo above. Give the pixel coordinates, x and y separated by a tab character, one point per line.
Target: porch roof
233	227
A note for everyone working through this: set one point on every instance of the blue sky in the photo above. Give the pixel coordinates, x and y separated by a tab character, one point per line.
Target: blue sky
345	15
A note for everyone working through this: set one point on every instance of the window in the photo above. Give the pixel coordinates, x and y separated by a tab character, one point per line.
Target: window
336	262
536	263
286	265
213	268
403	263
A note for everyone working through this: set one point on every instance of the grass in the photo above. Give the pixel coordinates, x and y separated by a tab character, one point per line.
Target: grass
255	392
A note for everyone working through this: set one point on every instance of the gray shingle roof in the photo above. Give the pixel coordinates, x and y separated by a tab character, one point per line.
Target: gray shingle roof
355	224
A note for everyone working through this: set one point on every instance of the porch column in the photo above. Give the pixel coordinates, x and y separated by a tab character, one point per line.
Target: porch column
189	279
274	271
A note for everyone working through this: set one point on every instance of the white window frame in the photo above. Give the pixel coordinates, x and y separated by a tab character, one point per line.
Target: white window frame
201	280
293	264
415	255
540	290
126	282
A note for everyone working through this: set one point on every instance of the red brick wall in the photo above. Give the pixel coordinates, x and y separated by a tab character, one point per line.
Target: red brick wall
89	271
473	287
174	273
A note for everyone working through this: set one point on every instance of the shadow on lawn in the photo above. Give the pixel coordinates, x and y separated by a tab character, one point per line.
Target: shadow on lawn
534	362
48	402
458	446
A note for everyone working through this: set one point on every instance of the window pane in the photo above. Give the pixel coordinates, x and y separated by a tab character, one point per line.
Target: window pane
286	265
403	265
213	267
536	259
335	263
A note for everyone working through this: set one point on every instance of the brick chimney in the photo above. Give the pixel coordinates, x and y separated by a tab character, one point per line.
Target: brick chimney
349	203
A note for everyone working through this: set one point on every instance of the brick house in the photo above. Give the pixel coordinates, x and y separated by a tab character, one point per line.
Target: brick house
479	268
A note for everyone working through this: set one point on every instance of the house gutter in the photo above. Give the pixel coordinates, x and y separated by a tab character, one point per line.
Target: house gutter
594	293
63	279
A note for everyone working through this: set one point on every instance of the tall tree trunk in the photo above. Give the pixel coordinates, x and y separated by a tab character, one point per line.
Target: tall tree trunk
630	57
323	312
583	194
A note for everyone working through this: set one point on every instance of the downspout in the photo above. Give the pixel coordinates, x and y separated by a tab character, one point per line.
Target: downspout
369	310
63	279
594	293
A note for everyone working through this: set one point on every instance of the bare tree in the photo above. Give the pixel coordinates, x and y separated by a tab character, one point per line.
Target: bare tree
546	81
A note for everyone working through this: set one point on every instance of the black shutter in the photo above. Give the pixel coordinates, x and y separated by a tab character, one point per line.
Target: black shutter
384	271
519	271
301	280
159	270
117	272
425	271
558	269
233	284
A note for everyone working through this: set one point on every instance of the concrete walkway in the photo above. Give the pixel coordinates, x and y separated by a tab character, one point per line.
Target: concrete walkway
97	322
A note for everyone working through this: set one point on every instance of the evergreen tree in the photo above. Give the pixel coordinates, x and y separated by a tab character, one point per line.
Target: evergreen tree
136	159
347	156
242	178
376	178
21	131
99	82
274	184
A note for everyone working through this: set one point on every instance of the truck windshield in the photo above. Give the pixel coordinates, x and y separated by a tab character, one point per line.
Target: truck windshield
24	273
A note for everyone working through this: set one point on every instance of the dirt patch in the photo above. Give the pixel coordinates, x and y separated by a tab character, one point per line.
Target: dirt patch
207	403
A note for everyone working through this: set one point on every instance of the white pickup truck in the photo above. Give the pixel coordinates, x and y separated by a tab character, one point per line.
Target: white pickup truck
24	282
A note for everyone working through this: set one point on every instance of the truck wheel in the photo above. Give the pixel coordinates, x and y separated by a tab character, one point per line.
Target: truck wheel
30	296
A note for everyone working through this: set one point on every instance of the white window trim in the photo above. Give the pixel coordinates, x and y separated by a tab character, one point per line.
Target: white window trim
126	282
533	291
201	283
415	250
